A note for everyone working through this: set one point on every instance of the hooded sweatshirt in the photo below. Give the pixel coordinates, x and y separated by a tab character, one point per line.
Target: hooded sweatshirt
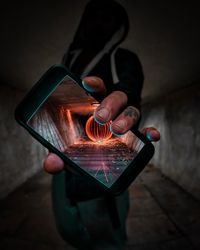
95	50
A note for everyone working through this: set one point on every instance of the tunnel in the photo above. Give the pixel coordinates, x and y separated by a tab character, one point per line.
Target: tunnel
164	209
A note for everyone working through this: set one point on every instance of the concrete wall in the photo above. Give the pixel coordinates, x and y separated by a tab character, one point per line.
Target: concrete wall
177	116
20	155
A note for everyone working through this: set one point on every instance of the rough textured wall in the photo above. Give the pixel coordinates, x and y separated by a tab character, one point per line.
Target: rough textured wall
20	155
177	116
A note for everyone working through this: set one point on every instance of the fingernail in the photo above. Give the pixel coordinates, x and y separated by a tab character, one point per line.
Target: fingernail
96	120
114	133
149	137
103	114
87	87
120	125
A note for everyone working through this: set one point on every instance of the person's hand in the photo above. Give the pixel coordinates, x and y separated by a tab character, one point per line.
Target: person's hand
113	107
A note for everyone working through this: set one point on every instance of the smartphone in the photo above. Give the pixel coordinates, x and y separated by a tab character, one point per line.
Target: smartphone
58	112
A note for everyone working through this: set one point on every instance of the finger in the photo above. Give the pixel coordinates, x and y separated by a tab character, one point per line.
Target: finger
125	121
151	133
53	164
110	107
94	84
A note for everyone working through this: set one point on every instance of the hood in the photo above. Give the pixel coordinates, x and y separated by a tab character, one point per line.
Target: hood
93	27
100	21
103	26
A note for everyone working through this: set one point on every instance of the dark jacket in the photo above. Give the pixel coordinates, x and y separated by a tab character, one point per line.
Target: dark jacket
119	68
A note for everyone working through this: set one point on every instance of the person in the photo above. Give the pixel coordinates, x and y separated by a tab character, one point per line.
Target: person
115	76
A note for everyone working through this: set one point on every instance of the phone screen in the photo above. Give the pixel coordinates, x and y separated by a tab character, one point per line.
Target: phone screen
65	120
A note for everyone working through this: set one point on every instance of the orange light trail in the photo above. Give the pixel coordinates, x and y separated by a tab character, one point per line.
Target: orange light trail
71	124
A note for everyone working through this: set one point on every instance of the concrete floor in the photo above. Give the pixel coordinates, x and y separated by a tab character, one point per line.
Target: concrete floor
162	216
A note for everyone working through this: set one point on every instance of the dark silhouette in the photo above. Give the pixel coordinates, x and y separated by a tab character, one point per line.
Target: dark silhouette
85	216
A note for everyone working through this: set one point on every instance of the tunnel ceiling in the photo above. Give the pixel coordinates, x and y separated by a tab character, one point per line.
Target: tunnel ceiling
164	34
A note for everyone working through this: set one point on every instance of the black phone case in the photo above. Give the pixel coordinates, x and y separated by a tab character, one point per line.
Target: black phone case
40	93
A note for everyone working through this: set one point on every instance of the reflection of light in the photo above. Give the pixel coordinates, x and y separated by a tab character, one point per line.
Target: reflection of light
71	124
96	132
